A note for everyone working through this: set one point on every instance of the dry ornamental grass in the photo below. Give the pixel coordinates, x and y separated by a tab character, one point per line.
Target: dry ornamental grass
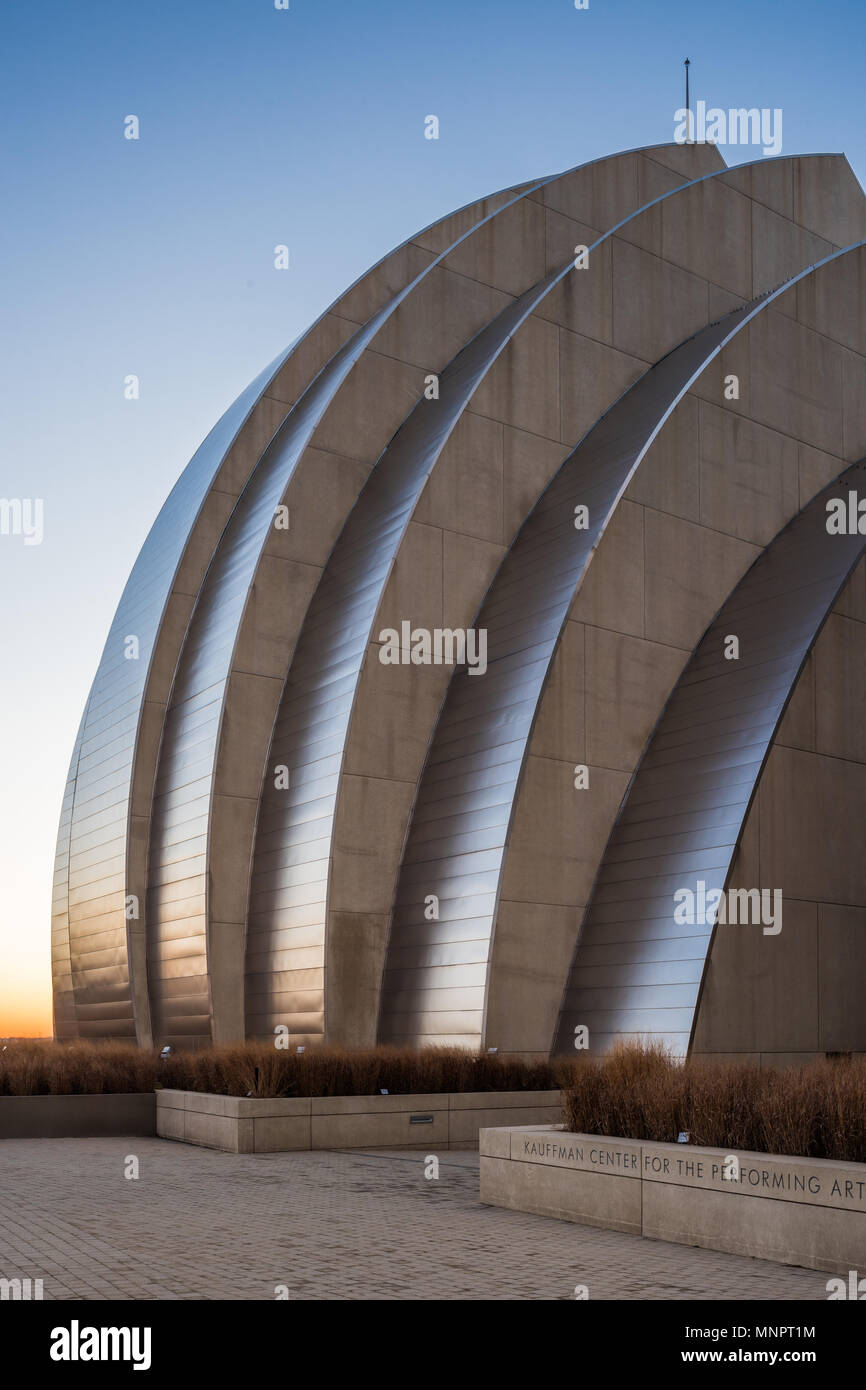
814	1111
260	1069
52	1069
637	1092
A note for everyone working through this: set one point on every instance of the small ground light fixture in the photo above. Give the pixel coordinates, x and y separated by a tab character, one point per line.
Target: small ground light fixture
683	1136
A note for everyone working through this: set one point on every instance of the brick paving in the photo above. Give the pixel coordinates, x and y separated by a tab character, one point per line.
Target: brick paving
198	1224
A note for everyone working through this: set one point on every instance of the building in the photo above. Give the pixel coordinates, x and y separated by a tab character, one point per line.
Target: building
589	428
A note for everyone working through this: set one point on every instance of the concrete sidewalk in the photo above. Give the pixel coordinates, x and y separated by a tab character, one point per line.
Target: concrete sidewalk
197	1224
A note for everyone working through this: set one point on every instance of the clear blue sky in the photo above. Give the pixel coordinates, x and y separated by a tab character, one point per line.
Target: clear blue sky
262	126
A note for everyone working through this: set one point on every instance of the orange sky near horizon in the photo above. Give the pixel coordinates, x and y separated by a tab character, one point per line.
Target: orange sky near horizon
27	829
25	1009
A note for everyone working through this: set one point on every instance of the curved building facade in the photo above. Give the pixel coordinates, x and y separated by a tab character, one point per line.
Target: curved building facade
508	615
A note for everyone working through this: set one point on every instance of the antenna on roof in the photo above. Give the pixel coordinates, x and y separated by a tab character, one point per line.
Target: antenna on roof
688	108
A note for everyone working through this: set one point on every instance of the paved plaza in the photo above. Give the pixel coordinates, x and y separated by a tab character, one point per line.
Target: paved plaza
197	1224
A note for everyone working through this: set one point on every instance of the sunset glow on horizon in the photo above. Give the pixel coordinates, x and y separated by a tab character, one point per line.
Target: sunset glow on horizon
25	1015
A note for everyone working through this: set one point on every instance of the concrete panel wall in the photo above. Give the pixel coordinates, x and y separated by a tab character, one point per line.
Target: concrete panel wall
803	836
721	477
55	1117
809	1212
636	296
424	1122
513	248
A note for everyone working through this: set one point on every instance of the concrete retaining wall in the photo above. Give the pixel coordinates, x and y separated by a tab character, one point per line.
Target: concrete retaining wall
800	1211
58	1117
247	1125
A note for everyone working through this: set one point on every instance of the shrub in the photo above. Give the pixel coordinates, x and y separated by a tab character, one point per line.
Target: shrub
642	1092
636	1092
260	1069
50	1069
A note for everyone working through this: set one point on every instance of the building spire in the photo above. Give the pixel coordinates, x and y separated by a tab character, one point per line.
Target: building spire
687	64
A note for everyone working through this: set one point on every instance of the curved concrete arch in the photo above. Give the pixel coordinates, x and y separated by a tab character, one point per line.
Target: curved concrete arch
642	276
437	973
436	969
719	482
791	997
638	970
252	562
102	838
288	890
381	766
299	883
222	529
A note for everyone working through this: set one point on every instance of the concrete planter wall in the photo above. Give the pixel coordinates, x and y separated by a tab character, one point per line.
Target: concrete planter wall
246	1125
801	1211
58	1117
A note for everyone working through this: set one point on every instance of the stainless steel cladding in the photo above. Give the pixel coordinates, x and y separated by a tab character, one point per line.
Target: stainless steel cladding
641	958
94	835
288	896
587	422
435	973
